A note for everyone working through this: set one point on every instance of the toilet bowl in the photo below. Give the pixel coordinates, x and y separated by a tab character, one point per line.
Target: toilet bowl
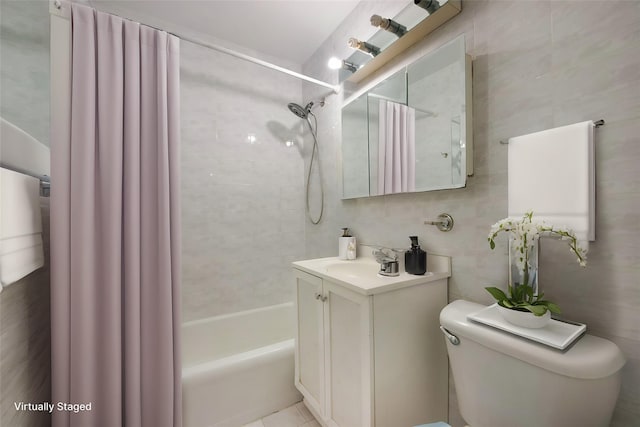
502	380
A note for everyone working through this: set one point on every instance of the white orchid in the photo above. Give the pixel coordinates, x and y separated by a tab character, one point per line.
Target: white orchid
526	232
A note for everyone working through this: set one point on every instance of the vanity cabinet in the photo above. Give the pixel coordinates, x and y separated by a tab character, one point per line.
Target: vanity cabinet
370	357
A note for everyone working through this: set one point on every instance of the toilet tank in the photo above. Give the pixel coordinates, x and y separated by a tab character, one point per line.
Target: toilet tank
502	380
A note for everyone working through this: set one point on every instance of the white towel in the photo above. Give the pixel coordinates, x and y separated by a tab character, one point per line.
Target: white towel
21	250
553	173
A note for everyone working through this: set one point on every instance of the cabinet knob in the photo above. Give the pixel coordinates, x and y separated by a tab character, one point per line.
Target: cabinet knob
320	297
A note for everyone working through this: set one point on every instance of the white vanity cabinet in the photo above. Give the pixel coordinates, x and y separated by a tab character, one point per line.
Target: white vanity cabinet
369	351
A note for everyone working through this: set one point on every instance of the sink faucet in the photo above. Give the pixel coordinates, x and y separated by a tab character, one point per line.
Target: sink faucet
388	260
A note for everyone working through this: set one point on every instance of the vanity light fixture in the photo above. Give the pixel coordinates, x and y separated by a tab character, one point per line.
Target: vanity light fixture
363	46
388	24
428	5
337	63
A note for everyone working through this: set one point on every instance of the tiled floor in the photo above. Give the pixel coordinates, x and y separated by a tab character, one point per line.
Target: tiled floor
294	416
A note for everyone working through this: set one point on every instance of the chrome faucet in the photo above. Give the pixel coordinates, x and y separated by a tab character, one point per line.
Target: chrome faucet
388	260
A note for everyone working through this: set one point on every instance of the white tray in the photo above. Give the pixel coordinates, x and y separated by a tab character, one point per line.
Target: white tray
556	334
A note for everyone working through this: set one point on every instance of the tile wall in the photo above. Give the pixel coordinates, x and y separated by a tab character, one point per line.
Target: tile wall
242	184
536	65
24	66
25	344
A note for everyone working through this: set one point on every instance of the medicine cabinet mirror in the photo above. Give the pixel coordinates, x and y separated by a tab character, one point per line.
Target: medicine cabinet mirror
412	131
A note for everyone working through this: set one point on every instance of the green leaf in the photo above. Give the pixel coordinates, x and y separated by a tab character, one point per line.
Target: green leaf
492	244
553	308
496	293
538	310
529	291
519	294
506	303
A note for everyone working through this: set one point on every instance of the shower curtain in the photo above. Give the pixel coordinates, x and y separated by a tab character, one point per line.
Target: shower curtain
116	229
396	148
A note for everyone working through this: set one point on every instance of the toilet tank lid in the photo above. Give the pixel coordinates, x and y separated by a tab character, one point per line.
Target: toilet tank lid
589	358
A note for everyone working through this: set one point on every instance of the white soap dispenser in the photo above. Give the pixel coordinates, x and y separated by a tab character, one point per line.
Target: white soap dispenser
346	245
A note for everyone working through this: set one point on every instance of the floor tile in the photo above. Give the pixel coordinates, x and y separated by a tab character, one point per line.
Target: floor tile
304	411
255	424
289	417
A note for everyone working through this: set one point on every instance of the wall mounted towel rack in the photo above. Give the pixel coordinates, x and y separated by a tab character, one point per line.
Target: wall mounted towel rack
45	181
596	123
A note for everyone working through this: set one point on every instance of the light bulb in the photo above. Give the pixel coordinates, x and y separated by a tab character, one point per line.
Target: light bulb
363	46
334	63
388	25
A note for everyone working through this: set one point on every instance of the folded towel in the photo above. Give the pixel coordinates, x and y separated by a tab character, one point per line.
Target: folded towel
553	173
21	250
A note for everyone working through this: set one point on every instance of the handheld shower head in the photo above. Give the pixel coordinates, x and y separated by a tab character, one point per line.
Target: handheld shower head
303	113
300	111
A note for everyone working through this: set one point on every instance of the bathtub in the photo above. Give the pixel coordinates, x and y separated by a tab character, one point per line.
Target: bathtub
238	367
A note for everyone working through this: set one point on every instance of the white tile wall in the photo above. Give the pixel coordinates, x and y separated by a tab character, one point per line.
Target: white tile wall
25	343
24	66
242	202
536	65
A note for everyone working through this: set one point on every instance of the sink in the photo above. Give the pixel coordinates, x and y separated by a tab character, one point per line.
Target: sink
361	275
354	270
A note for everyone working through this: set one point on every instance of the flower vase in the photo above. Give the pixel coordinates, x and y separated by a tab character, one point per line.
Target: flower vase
523	270
523	265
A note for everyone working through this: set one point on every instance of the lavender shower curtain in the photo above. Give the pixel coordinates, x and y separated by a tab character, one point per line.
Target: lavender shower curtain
396	148
116	229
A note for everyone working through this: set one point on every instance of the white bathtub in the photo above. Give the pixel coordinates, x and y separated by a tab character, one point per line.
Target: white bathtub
238	367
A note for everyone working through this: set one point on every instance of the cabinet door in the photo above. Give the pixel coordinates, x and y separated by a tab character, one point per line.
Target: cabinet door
309	349
348	354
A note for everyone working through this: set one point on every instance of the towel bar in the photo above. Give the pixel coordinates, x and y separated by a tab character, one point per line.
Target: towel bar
596	123
45	181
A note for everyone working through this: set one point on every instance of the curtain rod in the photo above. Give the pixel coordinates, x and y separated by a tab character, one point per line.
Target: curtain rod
335	88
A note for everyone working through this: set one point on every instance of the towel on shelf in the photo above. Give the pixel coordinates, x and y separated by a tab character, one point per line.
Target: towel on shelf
553	173
21	249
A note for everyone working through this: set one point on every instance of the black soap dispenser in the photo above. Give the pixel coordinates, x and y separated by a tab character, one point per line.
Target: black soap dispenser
415	259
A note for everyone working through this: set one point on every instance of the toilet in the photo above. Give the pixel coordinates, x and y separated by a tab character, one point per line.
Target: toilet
502	380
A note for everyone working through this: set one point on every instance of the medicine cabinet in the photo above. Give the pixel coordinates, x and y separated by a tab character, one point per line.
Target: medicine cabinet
423	140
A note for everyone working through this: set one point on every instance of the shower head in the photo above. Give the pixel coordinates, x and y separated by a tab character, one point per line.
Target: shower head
300	111
303	112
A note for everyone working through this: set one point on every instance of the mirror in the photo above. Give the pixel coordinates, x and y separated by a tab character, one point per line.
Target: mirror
412	131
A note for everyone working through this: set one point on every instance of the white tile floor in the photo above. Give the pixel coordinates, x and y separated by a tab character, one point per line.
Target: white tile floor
294	416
